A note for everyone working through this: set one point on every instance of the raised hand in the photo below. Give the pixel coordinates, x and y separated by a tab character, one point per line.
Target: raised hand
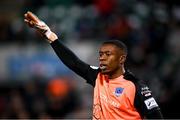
33	21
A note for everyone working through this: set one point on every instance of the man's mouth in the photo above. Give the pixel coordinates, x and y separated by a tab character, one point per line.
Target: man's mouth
103	67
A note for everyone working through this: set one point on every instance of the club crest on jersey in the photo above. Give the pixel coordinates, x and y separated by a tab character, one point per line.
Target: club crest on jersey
118	91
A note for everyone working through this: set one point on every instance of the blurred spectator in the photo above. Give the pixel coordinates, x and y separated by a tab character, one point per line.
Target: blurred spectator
105	7
62	97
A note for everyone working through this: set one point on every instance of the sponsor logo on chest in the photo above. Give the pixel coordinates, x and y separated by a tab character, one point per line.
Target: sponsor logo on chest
118	91
109	101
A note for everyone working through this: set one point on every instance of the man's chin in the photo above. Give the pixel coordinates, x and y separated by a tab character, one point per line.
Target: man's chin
105	72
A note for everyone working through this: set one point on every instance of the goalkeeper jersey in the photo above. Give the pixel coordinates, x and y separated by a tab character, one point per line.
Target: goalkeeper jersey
114	99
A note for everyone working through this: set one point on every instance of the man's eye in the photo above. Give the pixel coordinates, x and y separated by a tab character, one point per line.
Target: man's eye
108	54
100	54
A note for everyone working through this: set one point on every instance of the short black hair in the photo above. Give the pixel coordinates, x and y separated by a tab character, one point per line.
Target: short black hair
117	43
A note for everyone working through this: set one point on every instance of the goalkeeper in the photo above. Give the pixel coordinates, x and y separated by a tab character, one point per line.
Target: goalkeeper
117	93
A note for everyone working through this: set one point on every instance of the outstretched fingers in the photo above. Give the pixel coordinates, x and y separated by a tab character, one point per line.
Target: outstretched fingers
32	17
29	16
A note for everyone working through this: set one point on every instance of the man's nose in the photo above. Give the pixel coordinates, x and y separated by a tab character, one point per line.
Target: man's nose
102	57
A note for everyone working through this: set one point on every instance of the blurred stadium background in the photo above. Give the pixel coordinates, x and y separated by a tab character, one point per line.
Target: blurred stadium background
34	83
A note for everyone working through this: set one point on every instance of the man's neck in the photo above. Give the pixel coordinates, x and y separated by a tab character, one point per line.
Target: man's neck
116	74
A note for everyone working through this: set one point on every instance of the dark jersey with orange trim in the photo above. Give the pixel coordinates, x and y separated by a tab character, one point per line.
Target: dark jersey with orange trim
125	97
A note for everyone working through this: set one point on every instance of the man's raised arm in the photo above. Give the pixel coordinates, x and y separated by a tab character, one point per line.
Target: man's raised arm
64	53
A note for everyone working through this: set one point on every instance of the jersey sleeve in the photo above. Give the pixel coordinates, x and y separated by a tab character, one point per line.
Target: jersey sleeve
74	63
146	103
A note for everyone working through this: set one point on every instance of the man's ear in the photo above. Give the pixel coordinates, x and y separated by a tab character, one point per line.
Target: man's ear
122	59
